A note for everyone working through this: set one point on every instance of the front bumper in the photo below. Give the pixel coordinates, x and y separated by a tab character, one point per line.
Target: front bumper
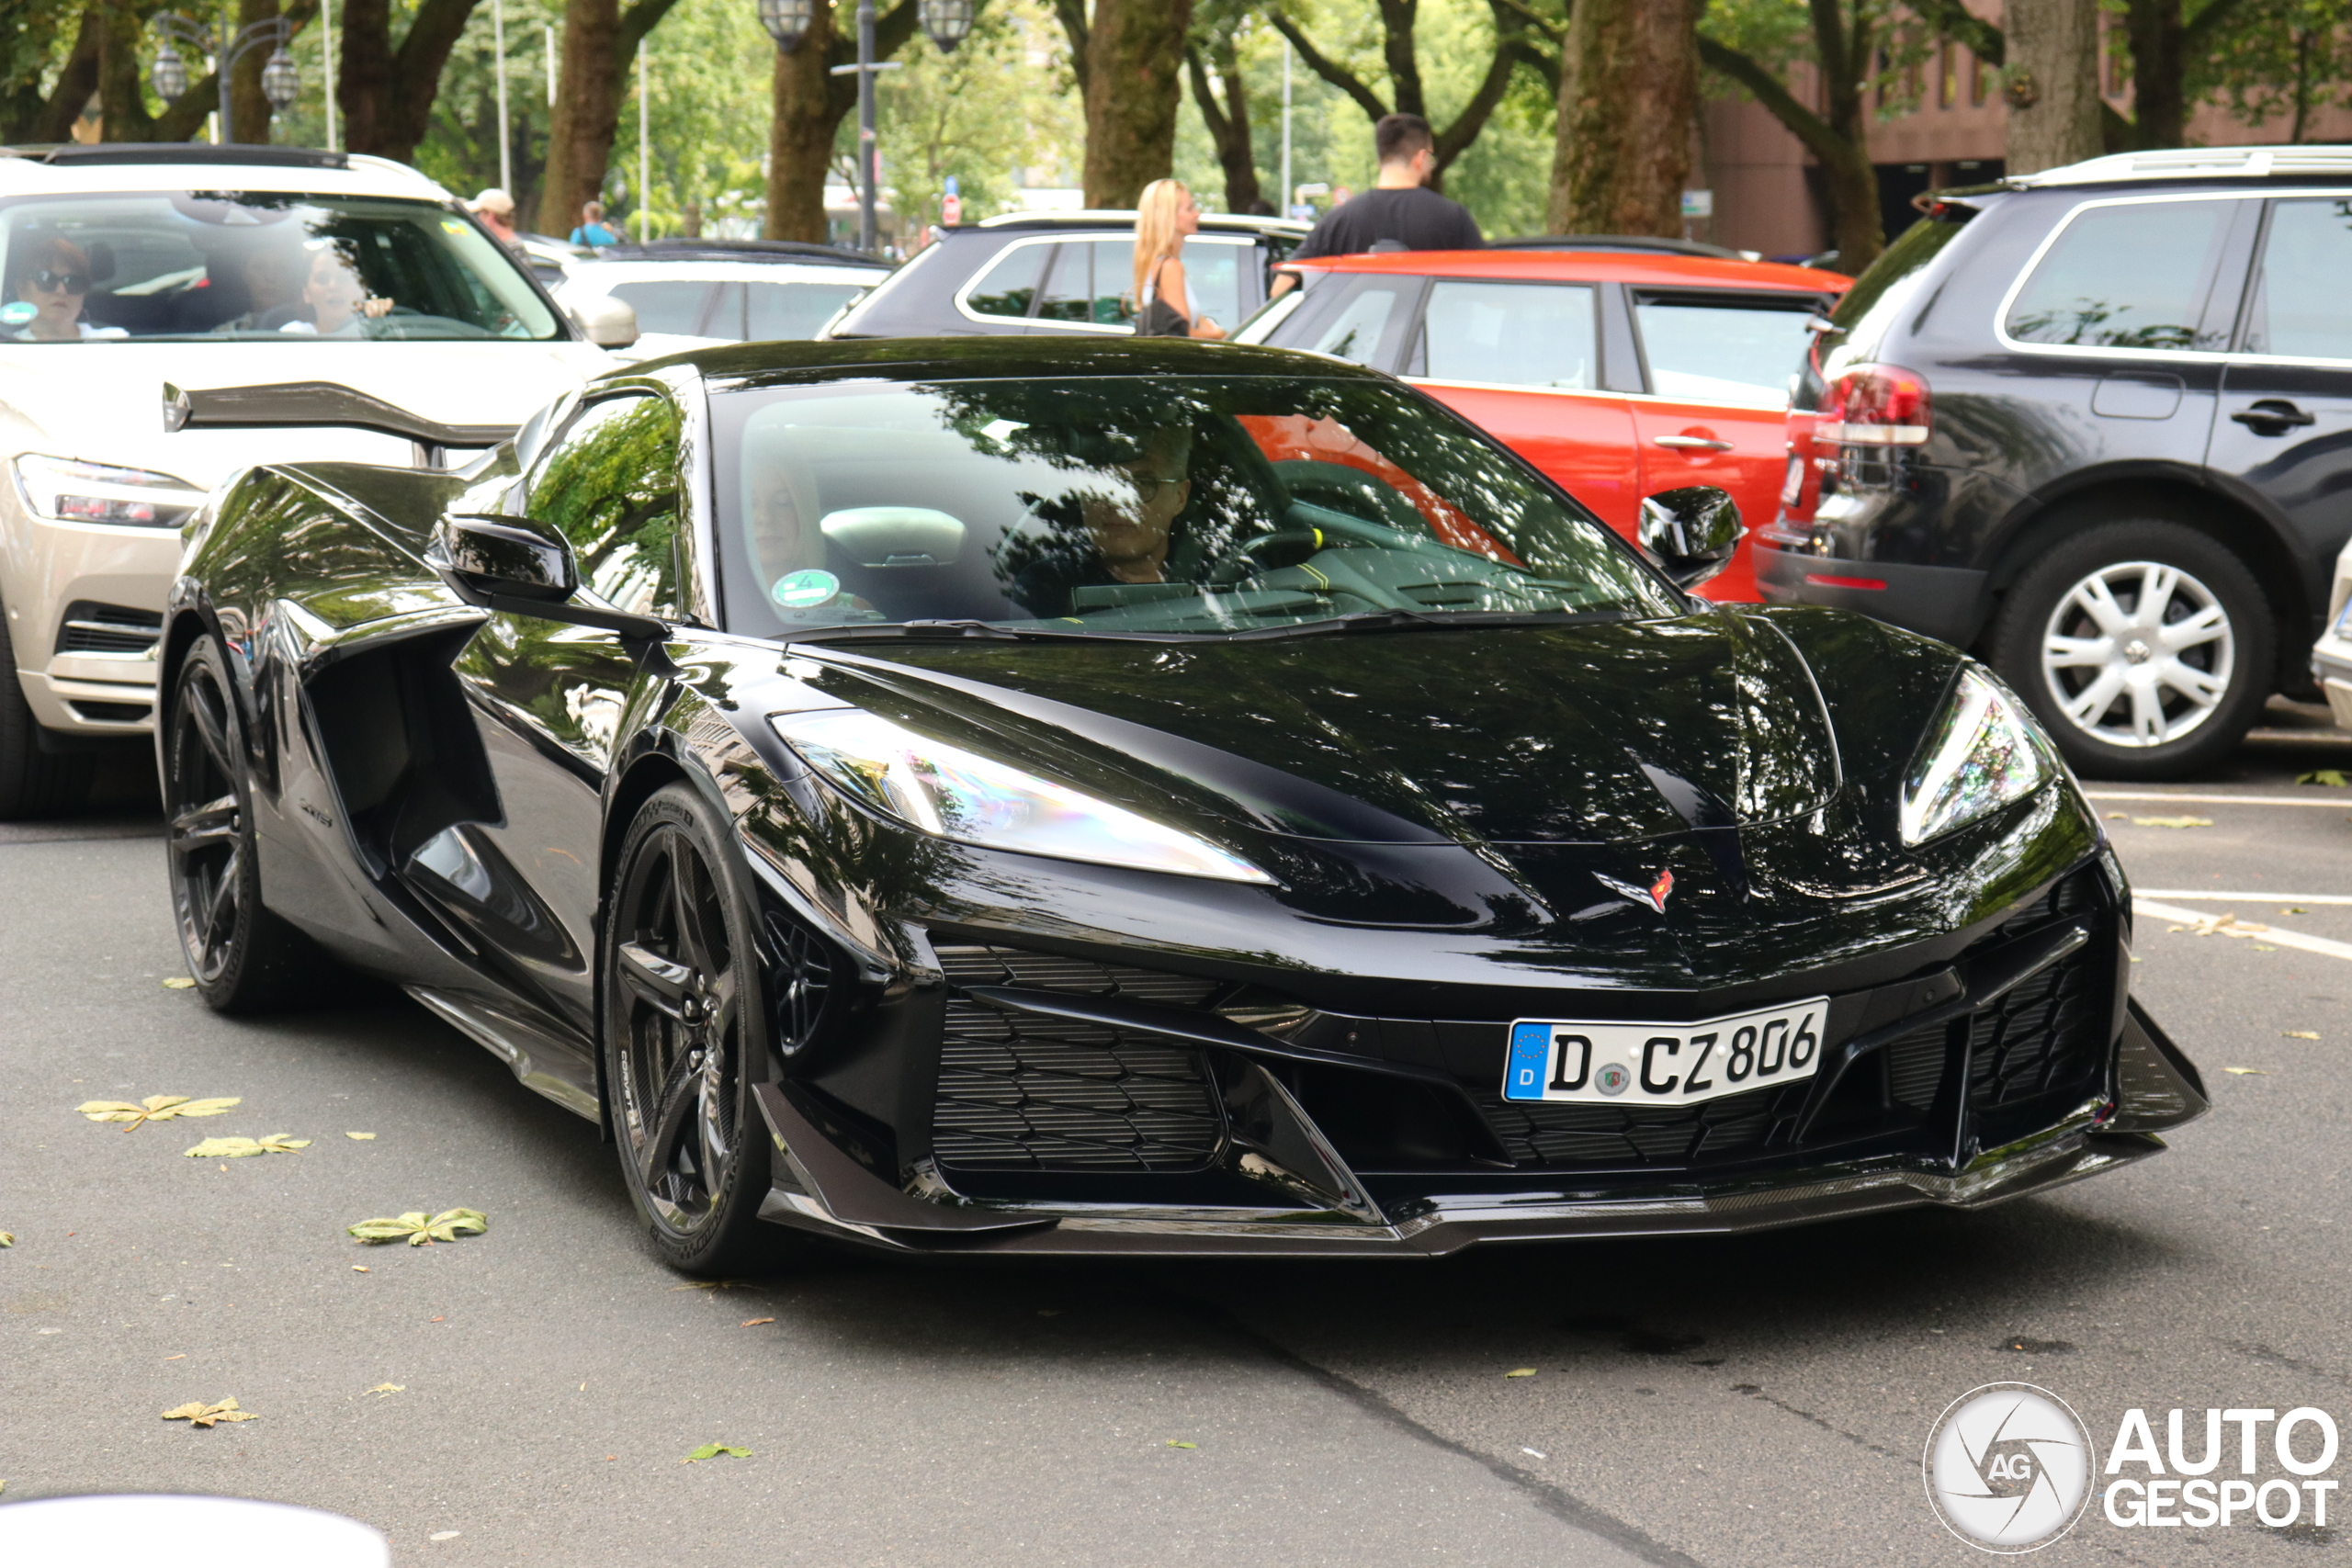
2016	1068
84	604
1942	602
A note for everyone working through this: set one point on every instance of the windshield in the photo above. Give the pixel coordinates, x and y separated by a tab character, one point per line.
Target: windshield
1144	506
257	267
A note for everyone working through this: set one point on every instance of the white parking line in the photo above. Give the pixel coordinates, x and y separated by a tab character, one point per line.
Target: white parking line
2242	898
2276	937
2338	803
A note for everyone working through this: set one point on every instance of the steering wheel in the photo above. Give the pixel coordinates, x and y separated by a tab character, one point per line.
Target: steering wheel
1310	526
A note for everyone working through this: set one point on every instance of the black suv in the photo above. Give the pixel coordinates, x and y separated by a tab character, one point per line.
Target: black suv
1063	273
2095	422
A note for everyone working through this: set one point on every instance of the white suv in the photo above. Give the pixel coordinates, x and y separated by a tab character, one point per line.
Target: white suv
125	268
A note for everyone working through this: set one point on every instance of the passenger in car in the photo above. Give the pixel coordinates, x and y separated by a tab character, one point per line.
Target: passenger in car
1115	533
55	281
336	303
272	276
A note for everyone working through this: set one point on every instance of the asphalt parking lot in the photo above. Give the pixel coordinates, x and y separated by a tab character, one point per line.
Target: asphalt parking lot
1735	1404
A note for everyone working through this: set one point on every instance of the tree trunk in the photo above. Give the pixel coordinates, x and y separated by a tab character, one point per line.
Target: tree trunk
2159	38
2052	82
586	114
807	105
1228	126
248	106
1629	87
122	85
27	115
1133	49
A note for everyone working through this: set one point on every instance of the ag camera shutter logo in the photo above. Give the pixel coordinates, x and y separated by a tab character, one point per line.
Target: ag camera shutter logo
2008	1467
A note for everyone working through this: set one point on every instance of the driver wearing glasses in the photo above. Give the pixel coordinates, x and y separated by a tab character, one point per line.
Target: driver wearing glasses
55	282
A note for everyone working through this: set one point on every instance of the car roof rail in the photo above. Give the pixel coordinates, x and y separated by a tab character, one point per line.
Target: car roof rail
96	153
1125	217
1653	244
737	250
2194	163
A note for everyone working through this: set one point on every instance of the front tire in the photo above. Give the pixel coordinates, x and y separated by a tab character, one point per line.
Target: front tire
33	783
243	958
685	1038
2145	649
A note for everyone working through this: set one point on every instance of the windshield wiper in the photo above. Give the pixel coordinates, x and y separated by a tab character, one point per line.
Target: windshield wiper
941	631
1425	620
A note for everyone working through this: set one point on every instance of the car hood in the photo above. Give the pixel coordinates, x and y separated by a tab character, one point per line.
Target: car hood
102	401
1595	734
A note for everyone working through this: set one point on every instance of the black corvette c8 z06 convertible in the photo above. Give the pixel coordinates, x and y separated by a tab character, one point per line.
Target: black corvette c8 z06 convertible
1135	797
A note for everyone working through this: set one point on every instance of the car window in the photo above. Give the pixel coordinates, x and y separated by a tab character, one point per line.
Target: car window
780	312
2299	306
1135	504
257	266
1070	286
610	483
2130	276
668	304
1366	326
1732	351
1008	287
1519	334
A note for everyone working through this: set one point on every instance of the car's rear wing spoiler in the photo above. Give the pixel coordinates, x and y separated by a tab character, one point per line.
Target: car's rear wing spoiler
290	403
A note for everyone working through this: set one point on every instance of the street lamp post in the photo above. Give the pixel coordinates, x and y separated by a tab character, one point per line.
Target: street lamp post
787	21
279	79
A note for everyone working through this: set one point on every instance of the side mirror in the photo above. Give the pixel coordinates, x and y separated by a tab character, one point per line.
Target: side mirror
1690	533
513	565
500	556
609	322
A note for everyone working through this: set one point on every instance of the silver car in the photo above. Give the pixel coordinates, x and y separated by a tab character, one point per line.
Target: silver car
696	293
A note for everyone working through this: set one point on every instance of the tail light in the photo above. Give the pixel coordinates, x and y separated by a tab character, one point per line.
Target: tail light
1874	405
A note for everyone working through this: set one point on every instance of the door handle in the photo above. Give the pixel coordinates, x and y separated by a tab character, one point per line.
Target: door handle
2272	416
1709	444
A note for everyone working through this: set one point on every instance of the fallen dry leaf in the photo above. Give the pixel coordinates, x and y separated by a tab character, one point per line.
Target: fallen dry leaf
2117	816
2299	1033
1521	1372
752	1323
2171	821
2223	925
419	1231
181	1357
2294	910
713	1285
712	1450
6	1239
179	983
362	1137
383	1388
155	1107
198	1414
359	1269
1174	1444
2332	777
2247	1072
245	1148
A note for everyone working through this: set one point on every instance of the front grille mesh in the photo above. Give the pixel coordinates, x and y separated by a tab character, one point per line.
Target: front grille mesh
1018	1092
1539	1135
2044	1034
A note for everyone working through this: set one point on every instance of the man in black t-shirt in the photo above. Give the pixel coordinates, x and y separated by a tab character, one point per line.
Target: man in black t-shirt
1401	208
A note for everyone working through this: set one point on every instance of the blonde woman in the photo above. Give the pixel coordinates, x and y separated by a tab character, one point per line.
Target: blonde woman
1165	215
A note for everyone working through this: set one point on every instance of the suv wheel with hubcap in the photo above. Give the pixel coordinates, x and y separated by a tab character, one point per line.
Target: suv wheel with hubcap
2144	648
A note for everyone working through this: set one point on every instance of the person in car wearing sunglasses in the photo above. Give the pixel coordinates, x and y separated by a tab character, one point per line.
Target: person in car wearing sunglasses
56	283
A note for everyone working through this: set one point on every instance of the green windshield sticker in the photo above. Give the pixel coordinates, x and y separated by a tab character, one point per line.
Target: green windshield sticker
17	312
804	590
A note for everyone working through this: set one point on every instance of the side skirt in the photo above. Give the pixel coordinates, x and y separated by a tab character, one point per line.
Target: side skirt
540	1059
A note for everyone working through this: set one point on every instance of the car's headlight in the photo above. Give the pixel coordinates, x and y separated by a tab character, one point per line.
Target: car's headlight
69	491
1982	753
951	793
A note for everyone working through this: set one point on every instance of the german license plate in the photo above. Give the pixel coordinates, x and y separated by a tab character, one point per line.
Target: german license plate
1664	1064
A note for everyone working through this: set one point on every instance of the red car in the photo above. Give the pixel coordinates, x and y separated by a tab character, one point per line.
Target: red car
1619	373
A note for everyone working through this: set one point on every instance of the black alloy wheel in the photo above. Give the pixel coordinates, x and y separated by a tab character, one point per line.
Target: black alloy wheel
243	958
686	1037
2145	649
